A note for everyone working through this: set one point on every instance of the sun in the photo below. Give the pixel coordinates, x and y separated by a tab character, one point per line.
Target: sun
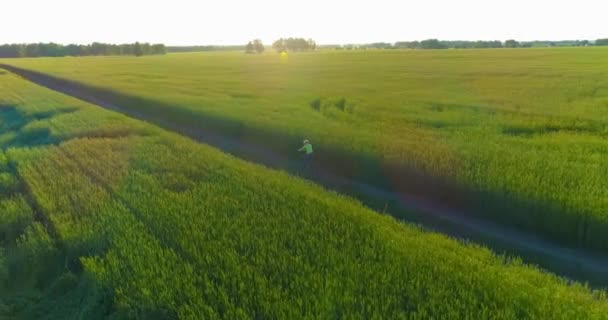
284	57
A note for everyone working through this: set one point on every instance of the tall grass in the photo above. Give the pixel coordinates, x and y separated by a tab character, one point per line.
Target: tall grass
146	224
521	133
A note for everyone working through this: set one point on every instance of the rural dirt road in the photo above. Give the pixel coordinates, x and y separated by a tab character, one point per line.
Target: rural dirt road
573	263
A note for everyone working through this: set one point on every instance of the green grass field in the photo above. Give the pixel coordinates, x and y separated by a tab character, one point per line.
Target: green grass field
521	133
103	216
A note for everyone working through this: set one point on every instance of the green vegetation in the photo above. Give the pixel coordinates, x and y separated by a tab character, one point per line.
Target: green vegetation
294	44
109	217
458	44
75	50
519	135
254	46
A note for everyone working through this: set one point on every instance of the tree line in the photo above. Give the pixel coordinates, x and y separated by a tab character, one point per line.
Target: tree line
94	49
445	44
254	46
294	44
301	44
282	45
440	44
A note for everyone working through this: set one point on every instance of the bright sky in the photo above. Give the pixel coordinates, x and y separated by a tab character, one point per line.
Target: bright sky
184	22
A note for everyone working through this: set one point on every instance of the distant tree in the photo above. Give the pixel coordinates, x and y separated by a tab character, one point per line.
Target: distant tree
488	44
407	45
279	45
72	50
96	48
583	43
159	49
249	48
126	49
601	42
258	47
50	50
379	45
32	50
461	44
137	50
111	50
439	44
511	44
312	45
481	44
494	44
294	44
146	49
11	51
432	44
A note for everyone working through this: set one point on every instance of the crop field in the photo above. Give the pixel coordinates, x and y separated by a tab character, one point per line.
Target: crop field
104	216
515	136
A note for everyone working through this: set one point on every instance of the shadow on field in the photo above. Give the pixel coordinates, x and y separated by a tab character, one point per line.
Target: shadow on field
38	272
15	132
435	202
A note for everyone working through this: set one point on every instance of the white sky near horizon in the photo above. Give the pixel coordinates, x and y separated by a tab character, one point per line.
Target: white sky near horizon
191	22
